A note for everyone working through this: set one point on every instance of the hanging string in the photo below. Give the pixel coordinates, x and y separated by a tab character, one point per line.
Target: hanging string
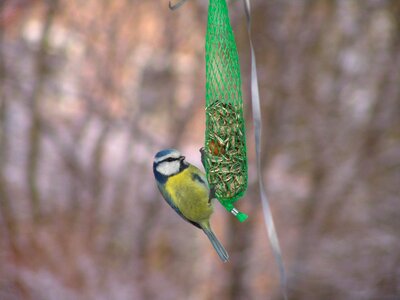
177	5
255	100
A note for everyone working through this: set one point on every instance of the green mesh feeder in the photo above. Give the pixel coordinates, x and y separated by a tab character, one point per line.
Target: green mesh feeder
224	154
225	136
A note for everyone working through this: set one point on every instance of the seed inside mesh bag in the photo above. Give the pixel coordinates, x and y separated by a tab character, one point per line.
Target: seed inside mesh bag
226	151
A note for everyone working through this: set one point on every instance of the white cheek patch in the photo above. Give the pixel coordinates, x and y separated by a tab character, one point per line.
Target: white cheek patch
168	168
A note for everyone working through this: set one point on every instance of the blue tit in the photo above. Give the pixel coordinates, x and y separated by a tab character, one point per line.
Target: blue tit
186	190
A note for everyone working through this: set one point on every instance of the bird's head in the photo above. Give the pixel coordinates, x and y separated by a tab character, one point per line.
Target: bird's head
168	162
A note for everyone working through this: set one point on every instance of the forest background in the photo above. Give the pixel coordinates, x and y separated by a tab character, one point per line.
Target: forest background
91	90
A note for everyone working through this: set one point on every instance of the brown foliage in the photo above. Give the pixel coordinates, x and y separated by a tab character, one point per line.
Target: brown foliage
90	90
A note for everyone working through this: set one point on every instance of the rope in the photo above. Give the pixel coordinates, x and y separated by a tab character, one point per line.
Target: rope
255	100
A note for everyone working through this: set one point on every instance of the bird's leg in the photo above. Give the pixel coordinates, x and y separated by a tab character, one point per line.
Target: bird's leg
203	156
203	161
212	194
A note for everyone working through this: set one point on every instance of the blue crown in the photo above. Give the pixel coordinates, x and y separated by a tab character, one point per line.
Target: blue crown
164	152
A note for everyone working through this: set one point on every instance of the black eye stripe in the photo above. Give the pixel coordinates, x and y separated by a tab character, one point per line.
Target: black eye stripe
169	159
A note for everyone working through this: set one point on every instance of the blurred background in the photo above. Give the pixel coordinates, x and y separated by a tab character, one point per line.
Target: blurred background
91	90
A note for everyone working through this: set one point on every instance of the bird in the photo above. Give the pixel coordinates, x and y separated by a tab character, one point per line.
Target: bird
185	188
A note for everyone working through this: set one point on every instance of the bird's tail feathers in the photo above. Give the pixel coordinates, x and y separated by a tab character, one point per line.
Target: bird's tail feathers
216	244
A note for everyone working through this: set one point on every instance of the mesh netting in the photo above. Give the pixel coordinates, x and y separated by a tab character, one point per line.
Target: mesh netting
225	142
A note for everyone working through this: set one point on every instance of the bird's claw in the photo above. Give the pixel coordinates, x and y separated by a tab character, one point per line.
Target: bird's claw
203	156
212	194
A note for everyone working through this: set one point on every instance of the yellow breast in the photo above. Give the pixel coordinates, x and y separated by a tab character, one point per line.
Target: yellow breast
190	195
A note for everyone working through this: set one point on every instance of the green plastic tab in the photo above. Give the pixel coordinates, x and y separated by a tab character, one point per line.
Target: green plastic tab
242	217
239	215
